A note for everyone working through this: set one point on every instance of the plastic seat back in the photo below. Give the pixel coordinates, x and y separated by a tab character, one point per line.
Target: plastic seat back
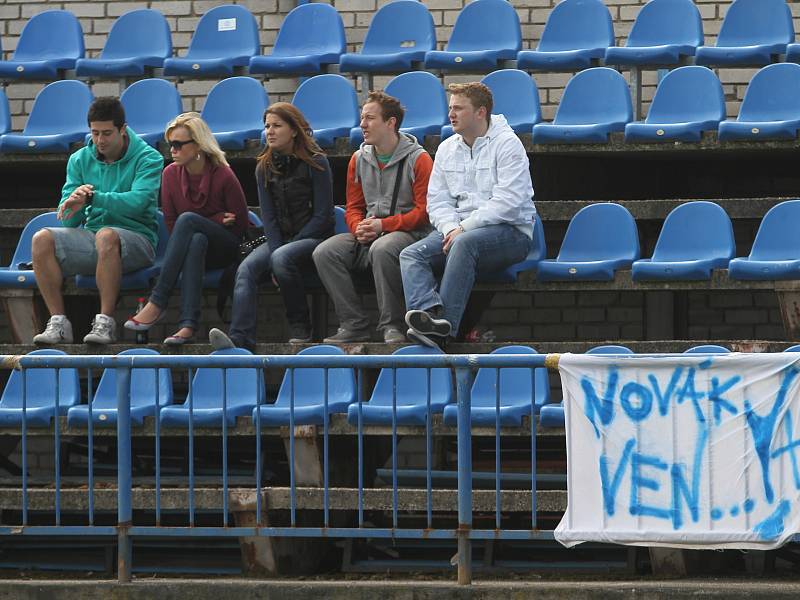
707	349
53	34
422	95
5	114
236	104
327	101
486	25
516	97
400	26
515	383
22	254
597	95
667	22
150	104
686	94
795	348
243	386
61	107
341	224
577	24
411	382
143	384
310	29
309	382
139	33
777	237
609	349
772	94
756	22
600	232
41	385
695	230
227	30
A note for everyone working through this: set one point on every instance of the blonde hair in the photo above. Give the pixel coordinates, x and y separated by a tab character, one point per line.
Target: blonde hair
201	135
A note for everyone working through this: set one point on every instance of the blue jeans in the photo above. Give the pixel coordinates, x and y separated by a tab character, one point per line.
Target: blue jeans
287	264
193	238
482	250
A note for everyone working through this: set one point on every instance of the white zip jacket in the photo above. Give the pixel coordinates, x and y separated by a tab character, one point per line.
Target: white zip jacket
487	184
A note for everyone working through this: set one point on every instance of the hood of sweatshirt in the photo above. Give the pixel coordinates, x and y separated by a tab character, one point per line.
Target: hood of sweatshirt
407	144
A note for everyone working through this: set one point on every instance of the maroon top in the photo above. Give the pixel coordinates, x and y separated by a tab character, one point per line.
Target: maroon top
210	194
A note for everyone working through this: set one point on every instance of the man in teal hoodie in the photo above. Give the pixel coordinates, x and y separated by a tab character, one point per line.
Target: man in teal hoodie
108	212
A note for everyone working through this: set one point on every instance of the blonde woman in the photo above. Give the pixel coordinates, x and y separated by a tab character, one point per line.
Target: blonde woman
206	212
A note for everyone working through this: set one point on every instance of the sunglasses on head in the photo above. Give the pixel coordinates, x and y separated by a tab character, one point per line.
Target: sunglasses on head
178	144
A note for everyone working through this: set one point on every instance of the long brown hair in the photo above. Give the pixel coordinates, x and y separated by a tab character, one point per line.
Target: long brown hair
305	147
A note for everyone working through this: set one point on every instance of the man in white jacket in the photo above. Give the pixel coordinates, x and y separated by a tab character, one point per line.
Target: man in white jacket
480	201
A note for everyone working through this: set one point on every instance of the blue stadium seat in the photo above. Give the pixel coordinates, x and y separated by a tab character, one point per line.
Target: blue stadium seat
423	97
577	32
515	96
139	40
225	38
245	390
40	394
601	238
330	105
341	224
752	33
687	102
309	392
142	394
400	34
609	349
5	114
515	393
696	237
793	53
412	393
776	249
485	32
795	348
57	119
770	110
537	253
50	42
234	110
150	104
595	103
19	274
664	33
707	349
311	36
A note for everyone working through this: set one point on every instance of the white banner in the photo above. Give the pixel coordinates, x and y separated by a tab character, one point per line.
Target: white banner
687	451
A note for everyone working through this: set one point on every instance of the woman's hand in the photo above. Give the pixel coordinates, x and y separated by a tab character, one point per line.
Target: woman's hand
228	219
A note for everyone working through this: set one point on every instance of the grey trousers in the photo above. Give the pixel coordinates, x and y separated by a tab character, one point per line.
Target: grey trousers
338	256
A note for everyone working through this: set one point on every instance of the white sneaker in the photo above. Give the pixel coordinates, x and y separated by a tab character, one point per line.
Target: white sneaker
104	330
58	331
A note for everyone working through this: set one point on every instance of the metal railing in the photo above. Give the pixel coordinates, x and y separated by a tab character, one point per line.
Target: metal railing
464	366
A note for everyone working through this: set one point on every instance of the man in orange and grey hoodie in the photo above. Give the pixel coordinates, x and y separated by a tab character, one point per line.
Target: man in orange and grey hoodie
387	184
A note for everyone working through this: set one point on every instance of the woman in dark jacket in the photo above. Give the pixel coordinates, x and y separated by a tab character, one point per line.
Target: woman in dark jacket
295	191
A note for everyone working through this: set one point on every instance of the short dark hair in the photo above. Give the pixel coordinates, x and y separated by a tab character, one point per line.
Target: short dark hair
390	107
107	108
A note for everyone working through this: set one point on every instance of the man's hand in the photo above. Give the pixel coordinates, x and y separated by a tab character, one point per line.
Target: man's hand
368	230
228	219
76	200
451	235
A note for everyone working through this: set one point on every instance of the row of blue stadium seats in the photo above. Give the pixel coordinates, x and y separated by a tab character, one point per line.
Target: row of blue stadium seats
596	102
50	394
577	34
245	391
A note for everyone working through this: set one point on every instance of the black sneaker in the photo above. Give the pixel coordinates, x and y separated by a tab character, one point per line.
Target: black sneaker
425	323
431	341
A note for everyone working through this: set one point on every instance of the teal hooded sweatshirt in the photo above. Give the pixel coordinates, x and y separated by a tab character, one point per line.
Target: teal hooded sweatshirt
125	191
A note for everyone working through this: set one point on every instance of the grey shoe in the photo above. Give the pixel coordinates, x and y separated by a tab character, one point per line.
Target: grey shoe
219	340
58	331
425	323
104	330
299	333
392	335
345	336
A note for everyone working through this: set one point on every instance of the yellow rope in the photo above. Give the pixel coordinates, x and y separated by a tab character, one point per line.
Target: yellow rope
11	362
551	361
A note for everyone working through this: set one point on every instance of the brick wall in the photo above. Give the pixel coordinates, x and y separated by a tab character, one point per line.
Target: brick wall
97	18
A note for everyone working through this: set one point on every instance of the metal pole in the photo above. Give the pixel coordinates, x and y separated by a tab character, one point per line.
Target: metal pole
124	484
463	388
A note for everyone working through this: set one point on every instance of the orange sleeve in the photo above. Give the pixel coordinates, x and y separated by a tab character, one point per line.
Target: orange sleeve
355	209
417	217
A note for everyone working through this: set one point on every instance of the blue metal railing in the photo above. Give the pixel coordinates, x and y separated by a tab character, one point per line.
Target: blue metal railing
465	367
